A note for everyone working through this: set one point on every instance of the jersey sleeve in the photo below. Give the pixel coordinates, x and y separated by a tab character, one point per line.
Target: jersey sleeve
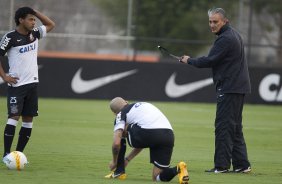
5	44
119	122
40	32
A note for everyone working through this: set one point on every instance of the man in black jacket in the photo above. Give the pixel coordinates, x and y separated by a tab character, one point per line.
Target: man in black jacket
231	78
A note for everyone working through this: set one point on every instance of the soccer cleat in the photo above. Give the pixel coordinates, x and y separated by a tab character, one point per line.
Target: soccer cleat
243	170
109	175
217	170
121	176
183	175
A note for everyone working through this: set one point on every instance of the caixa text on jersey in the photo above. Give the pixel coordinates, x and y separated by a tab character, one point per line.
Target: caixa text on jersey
28	48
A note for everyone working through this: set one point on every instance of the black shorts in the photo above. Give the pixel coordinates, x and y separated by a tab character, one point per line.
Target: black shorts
159	141
22	100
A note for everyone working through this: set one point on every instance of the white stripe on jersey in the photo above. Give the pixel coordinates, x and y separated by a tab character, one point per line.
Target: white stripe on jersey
42	31
119	124
145	115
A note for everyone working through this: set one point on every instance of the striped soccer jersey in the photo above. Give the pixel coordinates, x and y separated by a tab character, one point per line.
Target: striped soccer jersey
22	54
144	114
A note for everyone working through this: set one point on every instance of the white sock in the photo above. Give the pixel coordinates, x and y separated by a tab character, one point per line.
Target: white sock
158	178
27	124
12	122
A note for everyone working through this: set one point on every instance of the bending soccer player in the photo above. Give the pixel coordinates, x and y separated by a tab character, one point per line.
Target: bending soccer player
144	126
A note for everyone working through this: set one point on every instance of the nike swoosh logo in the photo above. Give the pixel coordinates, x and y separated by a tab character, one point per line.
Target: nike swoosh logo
174	90
116	175
79	85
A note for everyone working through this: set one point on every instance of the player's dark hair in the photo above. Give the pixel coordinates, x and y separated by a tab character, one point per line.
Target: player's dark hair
22	13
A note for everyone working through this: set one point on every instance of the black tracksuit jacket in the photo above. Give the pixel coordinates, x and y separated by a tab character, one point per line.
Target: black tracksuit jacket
228	62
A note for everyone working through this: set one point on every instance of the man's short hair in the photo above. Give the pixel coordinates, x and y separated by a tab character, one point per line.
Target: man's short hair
217	10
22	13
117	104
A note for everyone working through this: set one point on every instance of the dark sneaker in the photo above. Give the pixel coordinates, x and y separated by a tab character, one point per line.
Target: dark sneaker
243	170
217	170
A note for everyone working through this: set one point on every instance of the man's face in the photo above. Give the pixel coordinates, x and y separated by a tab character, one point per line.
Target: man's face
28	22
216	21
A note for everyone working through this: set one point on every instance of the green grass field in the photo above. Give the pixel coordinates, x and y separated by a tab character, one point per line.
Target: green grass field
71	144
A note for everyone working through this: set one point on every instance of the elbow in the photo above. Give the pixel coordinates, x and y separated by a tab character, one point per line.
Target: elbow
52	25
116	145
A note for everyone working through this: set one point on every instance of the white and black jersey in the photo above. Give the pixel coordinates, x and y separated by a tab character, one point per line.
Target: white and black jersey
22	54
148	128
144	114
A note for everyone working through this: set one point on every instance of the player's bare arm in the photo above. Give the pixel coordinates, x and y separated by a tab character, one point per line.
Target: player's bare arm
134	152
46	21
116	147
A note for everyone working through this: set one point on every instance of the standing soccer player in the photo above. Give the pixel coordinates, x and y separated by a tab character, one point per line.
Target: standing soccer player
231	78
21	46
